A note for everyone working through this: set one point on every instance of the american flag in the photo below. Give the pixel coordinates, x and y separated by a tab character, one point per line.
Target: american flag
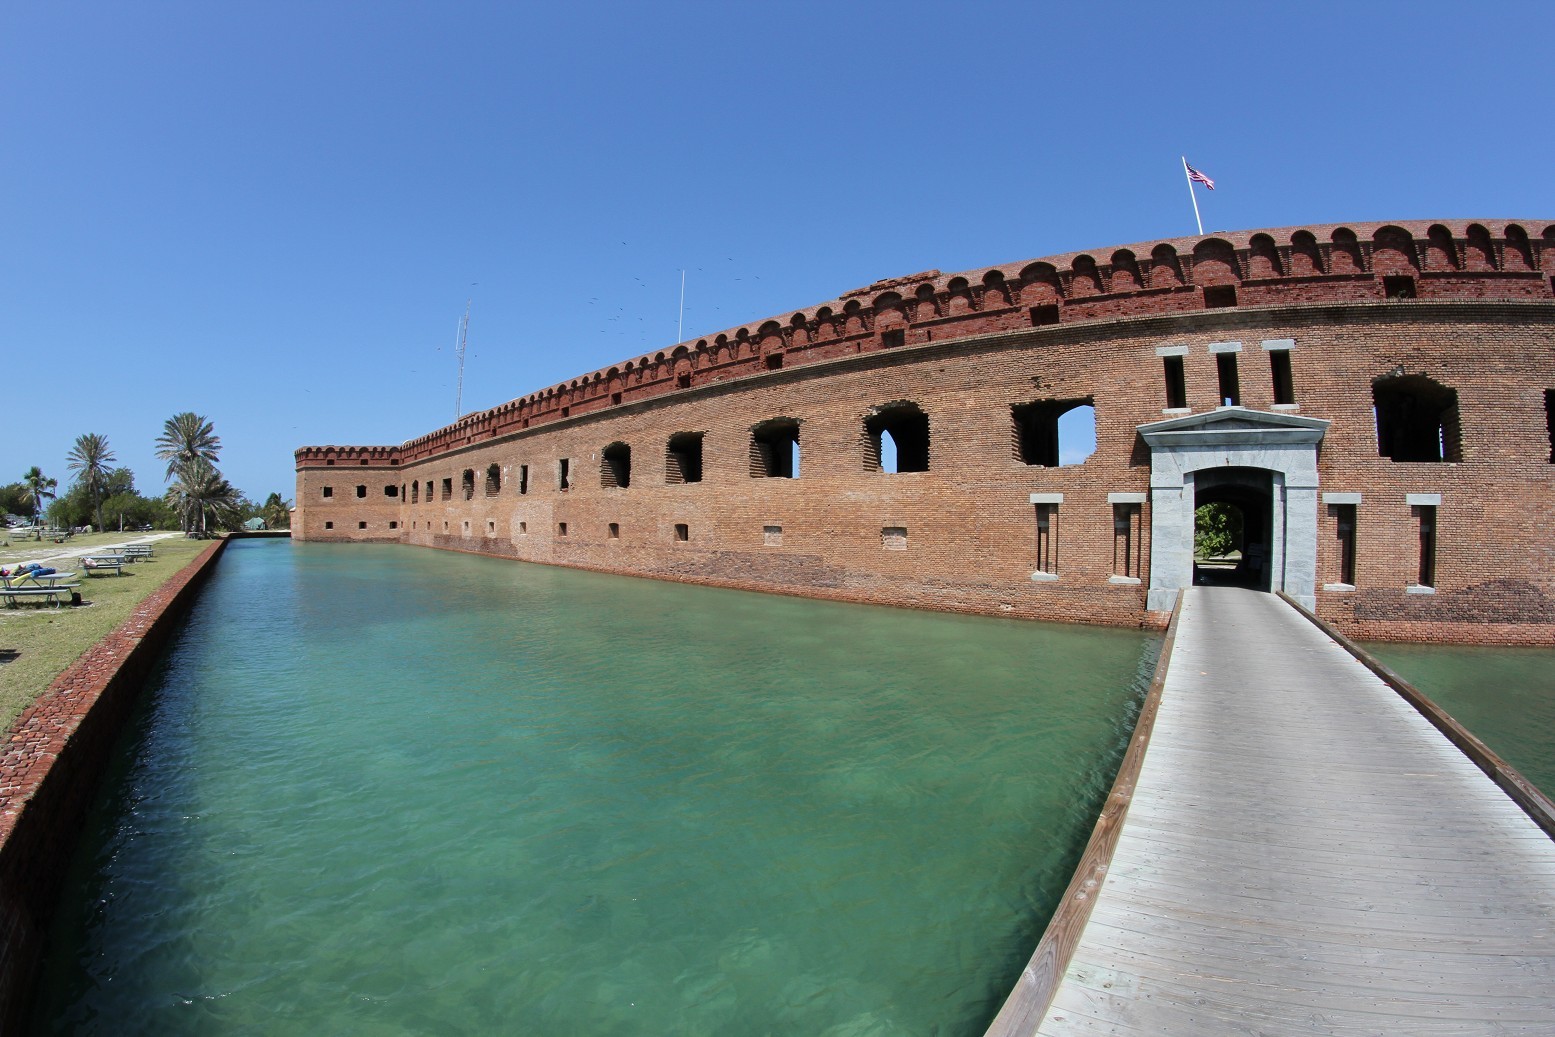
1194	174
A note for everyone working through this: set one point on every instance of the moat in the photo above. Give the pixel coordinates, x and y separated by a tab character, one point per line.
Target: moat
379	790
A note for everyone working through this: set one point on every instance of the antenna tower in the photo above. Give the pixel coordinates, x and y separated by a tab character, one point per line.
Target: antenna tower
460	341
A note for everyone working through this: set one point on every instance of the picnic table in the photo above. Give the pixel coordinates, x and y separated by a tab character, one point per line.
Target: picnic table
136	552
93	564
48	587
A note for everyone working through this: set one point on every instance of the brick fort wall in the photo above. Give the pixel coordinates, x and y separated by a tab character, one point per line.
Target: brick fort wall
754	458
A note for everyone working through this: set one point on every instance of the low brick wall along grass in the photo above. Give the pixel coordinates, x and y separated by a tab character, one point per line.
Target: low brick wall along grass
46	640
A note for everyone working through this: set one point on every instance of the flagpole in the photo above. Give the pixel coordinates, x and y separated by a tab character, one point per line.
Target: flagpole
1191	195
680	322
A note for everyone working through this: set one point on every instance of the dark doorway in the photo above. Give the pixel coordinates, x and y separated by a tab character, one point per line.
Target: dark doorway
1233	529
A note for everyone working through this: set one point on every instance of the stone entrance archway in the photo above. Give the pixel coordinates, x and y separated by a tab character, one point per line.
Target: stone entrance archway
1223	449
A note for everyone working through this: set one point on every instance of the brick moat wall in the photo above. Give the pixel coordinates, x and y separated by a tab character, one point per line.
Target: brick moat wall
1307	322
53	761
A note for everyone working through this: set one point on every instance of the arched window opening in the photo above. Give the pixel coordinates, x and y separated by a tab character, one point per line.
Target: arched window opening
683	458
1053	433
775	449
896	438
415	493
615	466
1417	419
493	480
467	483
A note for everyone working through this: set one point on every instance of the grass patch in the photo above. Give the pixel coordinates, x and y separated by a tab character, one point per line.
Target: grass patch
47	640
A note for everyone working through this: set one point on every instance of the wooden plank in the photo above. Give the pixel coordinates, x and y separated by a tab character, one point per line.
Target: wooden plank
1302	851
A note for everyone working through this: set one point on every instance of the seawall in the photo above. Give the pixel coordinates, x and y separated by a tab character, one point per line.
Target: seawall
54	758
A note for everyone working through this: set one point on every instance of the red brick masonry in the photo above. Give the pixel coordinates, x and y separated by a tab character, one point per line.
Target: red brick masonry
1455	319
53	760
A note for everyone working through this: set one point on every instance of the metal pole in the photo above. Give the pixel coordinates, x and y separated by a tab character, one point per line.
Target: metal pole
1191	195
680	323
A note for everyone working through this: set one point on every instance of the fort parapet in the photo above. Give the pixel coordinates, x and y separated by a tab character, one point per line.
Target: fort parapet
1375	399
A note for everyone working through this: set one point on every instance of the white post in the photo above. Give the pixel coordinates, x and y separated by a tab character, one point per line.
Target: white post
1191	195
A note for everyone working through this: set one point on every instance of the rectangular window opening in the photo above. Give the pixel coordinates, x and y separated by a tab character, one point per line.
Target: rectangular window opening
1344	535
682	532
1176	382
893	538
329	525
1219	296
361	491
1399	287
561	529
774	449
564	474
683	381
683	458
615	531
393	524
329	491
448	489
1279	369
893	338
774	361
1426	514
772	536
1230	389
1047	539
1043	315
523	479
361	525
615	399
1126	536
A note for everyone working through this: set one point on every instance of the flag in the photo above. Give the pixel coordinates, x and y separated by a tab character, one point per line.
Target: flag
1194	174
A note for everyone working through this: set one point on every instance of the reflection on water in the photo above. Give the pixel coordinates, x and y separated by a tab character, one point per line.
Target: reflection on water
381	790
1506	696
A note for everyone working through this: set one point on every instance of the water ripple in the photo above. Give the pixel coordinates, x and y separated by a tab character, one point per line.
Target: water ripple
380	791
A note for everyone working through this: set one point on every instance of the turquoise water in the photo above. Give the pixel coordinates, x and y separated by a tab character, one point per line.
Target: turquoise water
380	790
1506	696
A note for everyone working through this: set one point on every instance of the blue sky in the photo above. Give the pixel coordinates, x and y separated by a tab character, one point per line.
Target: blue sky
273	214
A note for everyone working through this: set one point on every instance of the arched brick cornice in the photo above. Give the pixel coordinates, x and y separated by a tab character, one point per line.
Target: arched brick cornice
1317	264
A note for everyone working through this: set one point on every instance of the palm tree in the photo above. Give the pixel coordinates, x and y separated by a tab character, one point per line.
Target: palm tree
277	512
187	437
35	487
91	457
202	493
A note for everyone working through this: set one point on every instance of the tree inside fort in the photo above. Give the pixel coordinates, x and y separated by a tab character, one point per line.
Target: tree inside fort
1217	530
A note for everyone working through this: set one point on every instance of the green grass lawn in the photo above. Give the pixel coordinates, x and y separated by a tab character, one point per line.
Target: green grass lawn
47	640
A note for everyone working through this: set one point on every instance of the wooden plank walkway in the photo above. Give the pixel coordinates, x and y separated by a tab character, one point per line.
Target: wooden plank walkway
1305	854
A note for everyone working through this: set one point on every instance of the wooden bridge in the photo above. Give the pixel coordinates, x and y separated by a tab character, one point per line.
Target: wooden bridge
1301	852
